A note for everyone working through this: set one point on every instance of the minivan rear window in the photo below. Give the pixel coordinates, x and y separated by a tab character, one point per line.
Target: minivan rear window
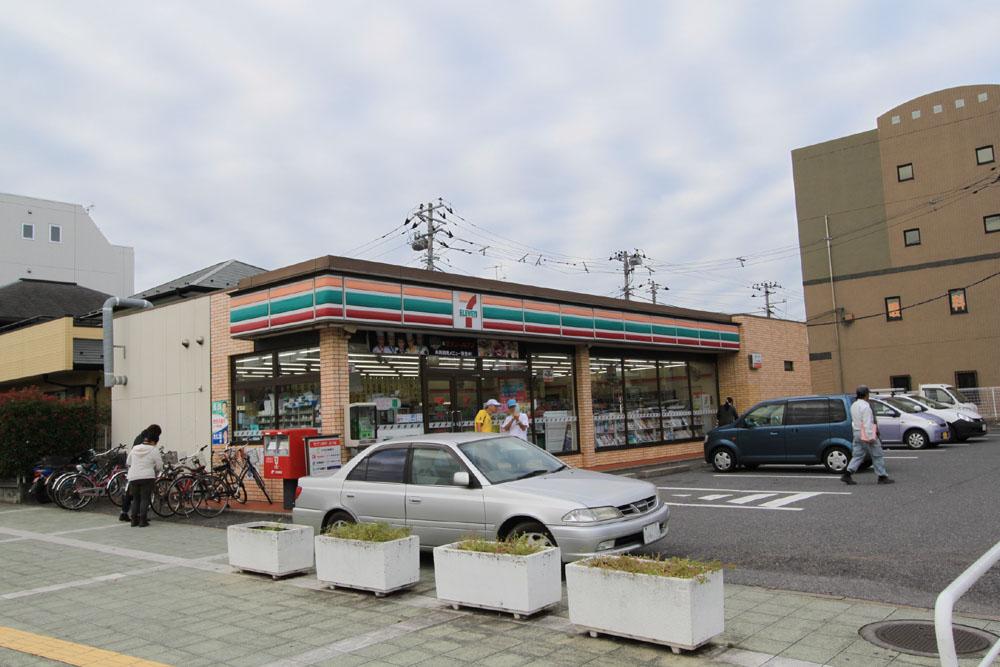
837	411
813	411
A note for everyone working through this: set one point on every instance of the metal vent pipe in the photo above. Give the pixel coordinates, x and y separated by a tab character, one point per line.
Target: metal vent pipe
108	321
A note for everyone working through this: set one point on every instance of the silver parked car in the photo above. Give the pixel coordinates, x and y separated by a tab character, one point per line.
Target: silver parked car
446	487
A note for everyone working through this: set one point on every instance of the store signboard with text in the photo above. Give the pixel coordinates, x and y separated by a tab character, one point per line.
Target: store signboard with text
323	455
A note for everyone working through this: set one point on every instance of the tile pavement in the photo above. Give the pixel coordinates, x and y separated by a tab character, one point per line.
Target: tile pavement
189	612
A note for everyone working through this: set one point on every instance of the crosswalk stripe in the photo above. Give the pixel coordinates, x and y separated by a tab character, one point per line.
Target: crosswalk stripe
749	499
715	496
788	500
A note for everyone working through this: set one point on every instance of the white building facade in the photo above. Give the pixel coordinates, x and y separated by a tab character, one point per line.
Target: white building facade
49	240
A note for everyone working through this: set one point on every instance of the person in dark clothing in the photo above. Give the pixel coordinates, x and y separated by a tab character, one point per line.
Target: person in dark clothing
144	464
127	498
727	412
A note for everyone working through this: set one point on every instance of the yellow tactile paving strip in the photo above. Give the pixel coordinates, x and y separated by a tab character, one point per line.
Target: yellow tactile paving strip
68	652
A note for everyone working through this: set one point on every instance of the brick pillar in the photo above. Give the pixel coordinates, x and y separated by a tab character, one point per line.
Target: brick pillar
223	346
585	406
334	378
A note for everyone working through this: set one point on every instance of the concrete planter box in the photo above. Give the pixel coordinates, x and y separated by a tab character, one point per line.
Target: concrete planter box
520	585
381	567
680	613
274	552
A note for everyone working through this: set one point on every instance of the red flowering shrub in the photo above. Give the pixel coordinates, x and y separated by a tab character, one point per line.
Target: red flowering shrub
34	424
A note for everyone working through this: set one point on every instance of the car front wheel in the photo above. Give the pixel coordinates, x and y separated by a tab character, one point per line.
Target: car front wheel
836	459
723	460
534	532
915	439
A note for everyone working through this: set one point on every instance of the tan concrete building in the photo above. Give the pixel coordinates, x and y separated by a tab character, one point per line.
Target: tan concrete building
899	234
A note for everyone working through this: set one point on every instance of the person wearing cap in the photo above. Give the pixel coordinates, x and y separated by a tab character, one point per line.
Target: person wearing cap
484	419
866	442
516	422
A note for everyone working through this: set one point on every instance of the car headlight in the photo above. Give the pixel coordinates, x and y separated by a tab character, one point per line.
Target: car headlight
965	418
592	514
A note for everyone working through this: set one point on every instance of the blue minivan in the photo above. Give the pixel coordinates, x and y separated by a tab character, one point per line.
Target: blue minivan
806	430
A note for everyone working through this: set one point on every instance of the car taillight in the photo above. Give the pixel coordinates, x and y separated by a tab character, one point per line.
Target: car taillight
298	492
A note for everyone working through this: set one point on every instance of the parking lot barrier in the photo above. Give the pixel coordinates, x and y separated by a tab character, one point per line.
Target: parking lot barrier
945	605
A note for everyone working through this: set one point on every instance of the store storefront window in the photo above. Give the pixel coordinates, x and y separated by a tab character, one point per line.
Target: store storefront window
704	396
504	379
641	403
606	394
392	383
277	389
675	400
553	413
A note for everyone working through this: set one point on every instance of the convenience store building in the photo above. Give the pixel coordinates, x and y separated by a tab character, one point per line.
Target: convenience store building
605	382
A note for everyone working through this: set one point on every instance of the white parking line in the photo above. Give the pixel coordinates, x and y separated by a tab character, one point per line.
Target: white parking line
788	500
833	478
715	496
751	498
897	458
736	507
681	495
702	488
748	498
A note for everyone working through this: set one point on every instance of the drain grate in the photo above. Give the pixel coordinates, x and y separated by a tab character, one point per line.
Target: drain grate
918	638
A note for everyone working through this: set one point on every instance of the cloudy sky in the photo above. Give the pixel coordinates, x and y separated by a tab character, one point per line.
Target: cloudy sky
274	132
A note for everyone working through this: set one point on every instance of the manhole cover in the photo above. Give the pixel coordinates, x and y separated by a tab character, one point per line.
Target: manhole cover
918	638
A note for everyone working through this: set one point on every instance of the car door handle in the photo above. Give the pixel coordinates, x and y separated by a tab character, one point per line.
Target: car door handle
774	433
349	495
414	500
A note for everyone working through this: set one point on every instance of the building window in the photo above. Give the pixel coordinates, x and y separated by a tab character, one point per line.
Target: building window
271	390
789	365
904	172
984	155
55	233
704	396
893	308
553	414
900	382
911	237
959	103
956	301
915	114
28	231
938	108
992	223
966	379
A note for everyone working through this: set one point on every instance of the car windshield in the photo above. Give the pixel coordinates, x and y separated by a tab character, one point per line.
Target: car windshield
905	405
960	396
506	459
931	403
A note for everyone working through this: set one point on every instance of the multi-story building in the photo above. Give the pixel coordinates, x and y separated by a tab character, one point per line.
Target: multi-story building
50	240
899	234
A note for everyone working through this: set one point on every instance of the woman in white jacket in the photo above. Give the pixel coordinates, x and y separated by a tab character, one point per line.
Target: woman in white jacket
144	464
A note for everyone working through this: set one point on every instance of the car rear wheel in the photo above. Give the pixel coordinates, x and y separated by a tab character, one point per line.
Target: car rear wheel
723	460
915	439
335	519
835	460
534	532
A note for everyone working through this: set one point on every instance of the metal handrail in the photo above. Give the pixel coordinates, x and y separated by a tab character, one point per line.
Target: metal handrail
945	604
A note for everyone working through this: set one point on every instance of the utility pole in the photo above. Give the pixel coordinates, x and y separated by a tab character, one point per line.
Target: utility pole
498	271
629	261
767	288
435	216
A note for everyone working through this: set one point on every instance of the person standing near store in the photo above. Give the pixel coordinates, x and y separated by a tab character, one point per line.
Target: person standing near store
144	464
866	442
727	412
127	496
516	423
484	419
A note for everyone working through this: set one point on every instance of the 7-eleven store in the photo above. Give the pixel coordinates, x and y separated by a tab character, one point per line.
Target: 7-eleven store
606	383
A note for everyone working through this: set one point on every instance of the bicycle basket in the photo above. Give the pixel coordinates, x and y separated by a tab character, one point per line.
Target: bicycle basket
170	457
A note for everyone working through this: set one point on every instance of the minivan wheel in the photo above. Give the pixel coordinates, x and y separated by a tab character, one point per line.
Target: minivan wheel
836	459
723	460
915	439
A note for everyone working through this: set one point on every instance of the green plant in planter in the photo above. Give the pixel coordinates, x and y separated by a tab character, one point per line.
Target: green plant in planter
515	546
681	568
367	532
272	528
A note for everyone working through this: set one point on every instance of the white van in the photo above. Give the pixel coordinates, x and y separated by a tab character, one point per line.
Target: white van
950	396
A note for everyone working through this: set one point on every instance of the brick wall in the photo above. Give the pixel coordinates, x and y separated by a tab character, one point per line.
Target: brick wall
778	341
334	378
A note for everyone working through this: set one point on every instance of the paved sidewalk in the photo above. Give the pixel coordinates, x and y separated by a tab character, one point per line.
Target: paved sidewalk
164	594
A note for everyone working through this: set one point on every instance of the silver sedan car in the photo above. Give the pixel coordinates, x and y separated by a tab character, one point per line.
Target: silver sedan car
448	487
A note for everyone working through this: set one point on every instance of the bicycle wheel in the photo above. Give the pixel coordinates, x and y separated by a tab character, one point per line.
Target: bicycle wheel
179	495
260	482
158	502
209	496
116	487
237	491
73	492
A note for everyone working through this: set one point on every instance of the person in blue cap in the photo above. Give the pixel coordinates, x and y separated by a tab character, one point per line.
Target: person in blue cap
516	422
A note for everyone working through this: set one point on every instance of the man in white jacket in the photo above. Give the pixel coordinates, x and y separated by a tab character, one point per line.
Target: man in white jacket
144	464
866	442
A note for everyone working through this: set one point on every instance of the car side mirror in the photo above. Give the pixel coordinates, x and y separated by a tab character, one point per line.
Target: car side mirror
461	479
746	423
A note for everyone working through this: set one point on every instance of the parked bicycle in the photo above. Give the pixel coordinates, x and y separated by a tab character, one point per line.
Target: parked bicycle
173	486
101	477
211	494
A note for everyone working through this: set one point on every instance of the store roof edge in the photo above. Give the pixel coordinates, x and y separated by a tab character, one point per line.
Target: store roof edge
363	268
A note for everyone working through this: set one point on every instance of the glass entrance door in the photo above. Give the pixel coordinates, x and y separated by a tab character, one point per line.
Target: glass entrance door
452	402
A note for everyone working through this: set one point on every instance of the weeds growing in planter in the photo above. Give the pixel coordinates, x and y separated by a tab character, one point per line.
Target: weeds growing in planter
275	529
367	532
517	546
681	568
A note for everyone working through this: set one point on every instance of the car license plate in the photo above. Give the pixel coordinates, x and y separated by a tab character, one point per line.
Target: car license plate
983	426
650	533
946	435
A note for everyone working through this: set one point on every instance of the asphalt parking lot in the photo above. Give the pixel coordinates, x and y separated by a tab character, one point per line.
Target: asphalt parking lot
800	528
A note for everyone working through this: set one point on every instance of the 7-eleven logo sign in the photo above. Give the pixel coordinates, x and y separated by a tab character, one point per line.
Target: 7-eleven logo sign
468	312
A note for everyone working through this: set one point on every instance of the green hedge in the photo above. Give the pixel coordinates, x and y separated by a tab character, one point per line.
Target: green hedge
33	425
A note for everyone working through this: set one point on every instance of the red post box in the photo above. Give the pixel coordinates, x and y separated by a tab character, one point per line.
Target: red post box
285	458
